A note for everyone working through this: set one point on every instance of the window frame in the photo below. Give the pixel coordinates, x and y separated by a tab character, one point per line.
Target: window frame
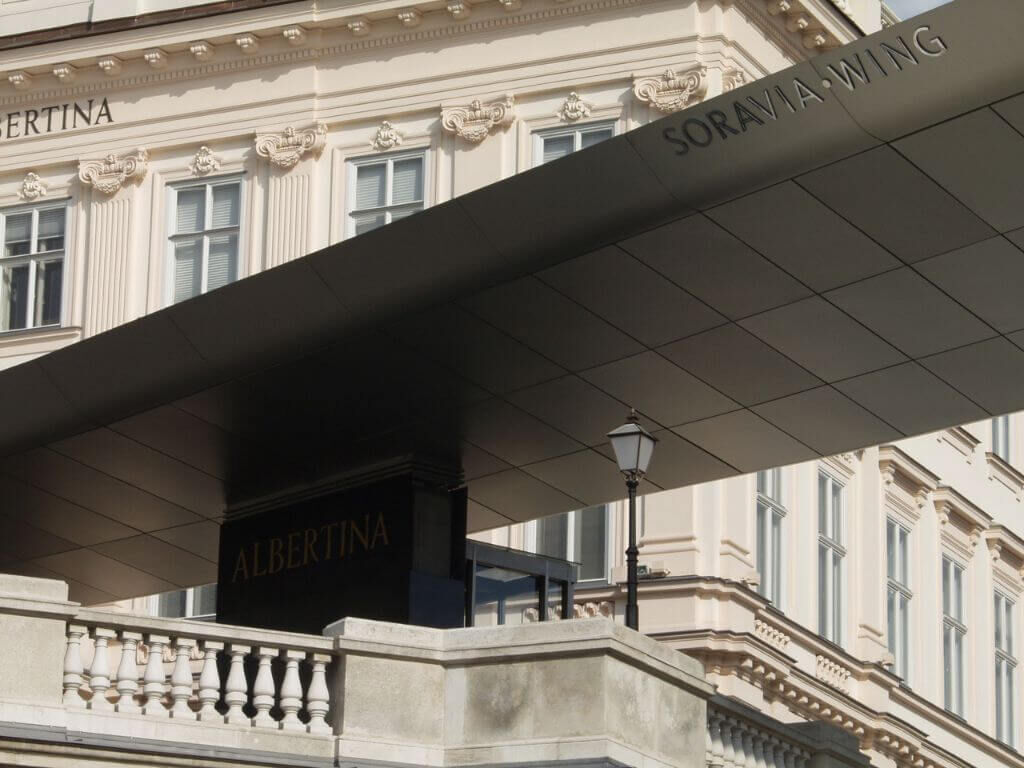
171	206
352	164
1001	437
576	130
531	543
954	689
1005	669
831	621
190	601
770	500
32	258
898	589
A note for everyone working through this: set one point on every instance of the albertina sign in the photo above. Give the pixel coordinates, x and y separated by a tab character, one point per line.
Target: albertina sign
885	61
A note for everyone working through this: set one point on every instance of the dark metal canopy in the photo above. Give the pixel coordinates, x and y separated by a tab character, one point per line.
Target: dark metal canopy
822	260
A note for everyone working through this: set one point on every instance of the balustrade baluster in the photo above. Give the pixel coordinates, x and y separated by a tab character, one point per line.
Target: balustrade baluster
758	746
291	691
128	672
318	697
728	750
236	688
263	689
73	666
154	680
715	739
750	759
739	757
768	749
181	677
99	669
209	682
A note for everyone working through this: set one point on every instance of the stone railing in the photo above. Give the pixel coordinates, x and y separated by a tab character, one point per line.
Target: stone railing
740	737
113	681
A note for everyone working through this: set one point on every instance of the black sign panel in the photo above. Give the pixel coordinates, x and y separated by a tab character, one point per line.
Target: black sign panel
391	550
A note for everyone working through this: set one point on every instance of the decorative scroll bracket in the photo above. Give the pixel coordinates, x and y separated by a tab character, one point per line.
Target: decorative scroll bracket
285	149
475	122
671	92
109	174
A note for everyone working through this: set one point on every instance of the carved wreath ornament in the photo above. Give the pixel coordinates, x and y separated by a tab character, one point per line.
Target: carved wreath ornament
285	149
204	162
386	137
32	188
671	92
109	174
574	108
475	122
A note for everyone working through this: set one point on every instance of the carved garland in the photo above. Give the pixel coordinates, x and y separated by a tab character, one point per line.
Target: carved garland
475	122
671	92
109	174
285	149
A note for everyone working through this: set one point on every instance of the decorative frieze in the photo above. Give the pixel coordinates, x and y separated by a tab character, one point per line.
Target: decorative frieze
410	17
671	92
204	162
20	79
286	148
387	137
459	9
109	174
109	66
247	43
833	674
32	188
772	635
65	72
295	35
202	50
476	121
574	108
156	58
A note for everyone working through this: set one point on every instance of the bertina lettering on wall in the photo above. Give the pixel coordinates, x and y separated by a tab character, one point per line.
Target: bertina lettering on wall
851	72
307	546
54	118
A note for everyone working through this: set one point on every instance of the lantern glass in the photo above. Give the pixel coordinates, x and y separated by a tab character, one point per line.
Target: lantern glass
633	446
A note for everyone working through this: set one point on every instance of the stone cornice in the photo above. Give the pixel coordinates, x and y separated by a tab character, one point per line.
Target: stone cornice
1002	472
949	503
906	483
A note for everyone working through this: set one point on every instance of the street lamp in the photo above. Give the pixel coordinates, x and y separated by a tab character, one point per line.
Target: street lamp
633	446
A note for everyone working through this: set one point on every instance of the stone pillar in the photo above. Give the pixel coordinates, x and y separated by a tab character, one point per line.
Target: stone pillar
33	638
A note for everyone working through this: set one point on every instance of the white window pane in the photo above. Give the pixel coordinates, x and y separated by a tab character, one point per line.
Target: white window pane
904	556
890	549
225	206
15	297
223	260
958	593
823	505
188	268
191	213
947	666
837	512
998	620
762	482
51	230
591	540
367	221
904	626
371	186
776	565
947	587
556	147
407	181
204	600
891	614
590	138
17	234
553	535
1008	627
837	597
171	604
49	284
762	548
823	596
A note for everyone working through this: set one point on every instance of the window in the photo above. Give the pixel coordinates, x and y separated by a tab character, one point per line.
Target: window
830	558
770	513
953	634
193	603
384	189
1001	437
204	237
559	142
580	536
1006	665
899	595
33	266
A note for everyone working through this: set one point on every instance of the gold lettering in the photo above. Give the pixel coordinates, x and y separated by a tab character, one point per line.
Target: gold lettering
380	532
276	556
309	541
293	549
241	566
341	528
363	536
256	561
328	549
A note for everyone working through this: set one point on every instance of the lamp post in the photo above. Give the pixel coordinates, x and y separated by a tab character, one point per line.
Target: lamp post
633	446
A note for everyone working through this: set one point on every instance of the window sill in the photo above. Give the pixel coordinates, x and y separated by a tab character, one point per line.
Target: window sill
39	334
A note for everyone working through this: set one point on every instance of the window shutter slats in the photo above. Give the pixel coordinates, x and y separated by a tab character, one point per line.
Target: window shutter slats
223	259
556	147
225	206
407	181
191	214
188	268
371	186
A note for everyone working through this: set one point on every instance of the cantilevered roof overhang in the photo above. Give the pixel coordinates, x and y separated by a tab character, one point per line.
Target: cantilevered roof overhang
826	259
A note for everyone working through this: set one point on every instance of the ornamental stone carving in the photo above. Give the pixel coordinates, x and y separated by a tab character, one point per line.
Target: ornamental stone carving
574	108
32	188
285	149
733	79
475	122
833	674
671	92
386	137
20	79
65	72
109	174
204	162
410	17
155	57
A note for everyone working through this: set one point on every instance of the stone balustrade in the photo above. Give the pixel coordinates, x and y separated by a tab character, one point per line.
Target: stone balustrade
220	691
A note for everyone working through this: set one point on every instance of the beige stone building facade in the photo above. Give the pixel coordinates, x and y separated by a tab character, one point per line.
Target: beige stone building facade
152	153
